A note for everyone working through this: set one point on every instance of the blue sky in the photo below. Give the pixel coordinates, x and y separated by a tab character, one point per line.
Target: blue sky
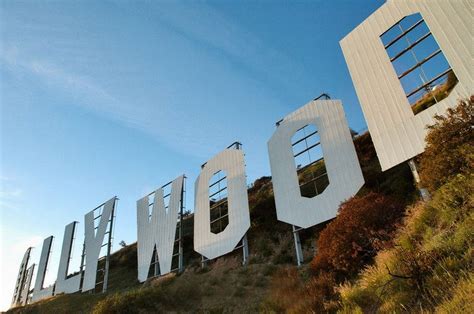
116	98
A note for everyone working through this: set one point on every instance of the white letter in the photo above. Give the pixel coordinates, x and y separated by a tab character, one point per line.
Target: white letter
39	292
213	245
93	242
398	134
158	231
64	284
27	284
22	274
342	165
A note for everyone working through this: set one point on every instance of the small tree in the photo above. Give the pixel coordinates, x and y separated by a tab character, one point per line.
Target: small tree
450	146
351	240
122	243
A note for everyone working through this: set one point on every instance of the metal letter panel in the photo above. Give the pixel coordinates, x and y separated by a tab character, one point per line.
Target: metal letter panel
159	230
26	287
64	284
22	272
93	242
398	134
342	165
39	292
205	242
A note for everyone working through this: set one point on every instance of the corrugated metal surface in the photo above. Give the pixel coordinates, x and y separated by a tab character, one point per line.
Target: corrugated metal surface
93	240
22	273
64	284
205	242
343	169
397	133
39	292
159	230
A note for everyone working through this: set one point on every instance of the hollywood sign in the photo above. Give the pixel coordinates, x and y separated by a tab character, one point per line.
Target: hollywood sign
395	121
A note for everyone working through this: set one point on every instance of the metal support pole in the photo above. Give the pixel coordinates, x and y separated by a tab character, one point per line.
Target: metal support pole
203	261
299	251
180	243
27	291
245	250
180	257
81	268
157	266
425	195
109	247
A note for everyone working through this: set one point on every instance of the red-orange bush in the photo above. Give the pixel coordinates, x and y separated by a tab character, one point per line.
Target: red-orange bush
363	225
351	240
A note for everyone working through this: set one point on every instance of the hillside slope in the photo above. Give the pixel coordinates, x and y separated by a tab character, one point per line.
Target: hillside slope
430	267
225	285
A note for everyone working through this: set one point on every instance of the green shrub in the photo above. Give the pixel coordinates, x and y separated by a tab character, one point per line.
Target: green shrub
462	298
450	146
433	253
430	267
158	297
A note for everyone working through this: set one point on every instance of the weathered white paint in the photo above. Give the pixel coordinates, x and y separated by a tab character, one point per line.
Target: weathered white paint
342	165
213	245
39	292
93	242
20	281
63	283
159	230
397	133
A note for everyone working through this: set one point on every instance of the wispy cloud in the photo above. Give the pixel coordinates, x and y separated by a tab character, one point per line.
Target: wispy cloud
69	71
10	195
202	23
89	95
29	241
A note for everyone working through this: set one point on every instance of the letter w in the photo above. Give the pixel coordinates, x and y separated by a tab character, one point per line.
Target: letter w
158	229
